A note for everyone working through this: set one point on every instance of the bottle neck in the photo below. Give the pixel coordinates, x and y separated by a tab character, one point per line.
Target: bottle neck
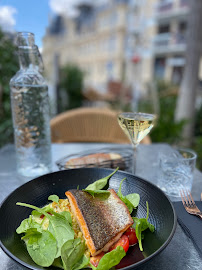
30	59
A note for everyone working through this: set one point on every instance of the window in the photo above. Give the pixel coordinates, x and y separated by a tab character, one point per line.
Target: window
164	28
112	43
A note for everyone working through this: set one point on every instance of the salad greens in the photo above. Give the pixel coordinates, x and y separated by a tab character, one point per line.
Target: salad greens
101	183
27	224
97	192
53	198
110	259
131	200
140	225
58	225
72	254
42	247
56	244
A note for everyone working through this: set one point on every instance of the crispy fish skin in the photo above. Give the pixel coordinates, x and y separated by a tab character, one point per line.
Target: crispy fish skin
102	219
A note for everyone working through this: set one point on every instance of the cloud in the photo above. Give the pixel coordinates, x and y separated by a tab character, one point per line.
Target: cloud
7	19
63	7
67	7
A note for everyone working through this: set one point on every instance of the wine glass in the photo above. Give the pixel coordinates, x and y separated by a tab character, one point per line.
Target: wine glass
136	126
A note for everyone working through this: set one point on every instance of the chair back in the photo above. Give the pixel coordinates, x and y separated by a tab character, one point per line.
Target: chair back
87	125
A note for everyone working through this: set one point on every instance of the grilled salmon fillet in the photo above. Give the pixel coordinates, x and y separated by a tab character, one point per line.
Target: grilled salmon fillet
102	219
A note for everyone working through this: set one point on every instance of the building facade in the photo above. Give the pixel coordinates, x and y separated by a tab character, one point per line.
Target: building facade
94	40
124	40
141	30
108	42
170	41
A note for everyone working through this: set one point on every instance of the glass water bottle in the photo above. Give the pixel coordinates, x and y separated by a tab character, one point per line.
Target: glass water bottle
30	111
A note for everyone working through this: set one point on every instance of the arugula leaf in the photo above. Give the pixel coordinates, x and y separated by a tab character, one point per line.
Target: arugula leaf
58	263
71	252
131	200
40	210
97	192
124	199
27	224
58	226
61	229
101	183
111	259
46	208
24	226
30	232
42	247
82	263
134	198
140	225
67	215
53	198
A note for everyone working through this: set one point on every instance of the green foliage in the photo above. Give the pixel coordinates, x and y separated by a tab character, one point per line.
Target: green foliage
166	129
198	122
198	137
198	148
8	67
70	87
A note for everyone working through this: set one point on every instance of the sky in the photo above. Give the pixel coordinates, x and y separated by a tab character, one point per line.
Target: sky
33	15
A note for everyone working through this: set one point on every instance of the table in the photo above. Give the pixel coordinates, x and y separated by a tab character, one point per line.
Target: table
179	254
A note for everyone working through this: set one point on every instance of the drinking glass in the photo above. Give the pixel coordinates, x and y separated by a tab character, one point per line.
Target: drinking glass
176	172
136	126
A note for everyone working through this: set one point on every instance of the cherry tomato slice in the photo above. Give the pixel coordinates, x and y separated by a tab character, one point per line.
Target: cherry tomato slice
42	216
130	233
123	242
95	259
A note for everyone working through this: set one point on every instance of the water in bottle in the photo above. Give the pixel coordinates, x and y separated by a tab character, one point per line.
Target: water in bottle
30	111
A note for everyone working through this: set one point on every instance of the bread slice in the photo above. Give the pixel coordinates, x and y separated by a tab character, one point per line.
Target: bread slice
102	219
98	159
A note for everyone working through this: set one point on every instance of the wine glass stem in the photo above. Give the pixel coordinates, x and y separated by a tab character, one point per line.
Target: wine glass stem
134	158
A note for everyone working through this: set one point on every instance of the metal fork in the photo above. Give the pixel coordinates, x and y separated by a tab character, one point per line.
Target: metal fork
189	204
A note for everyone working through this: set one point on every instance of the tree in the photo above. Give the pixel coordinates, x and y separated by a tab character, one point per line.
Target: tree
186	100
8	67
70	87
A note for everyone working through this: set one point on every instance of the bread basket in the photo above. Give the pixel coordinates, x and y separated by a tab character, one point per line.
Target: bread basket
106	157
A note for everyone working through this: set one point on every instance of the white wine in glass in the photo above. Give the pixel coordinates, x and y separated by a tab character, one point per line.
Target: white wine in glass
136	126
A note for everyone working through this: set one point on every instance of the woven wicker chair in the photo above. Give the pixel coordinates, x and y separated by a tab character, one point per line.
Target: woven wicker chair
87	125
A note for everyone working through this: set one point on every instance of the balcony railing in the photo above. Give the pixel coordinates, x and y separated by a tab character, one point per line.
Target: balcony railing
170	42
165	6
168	9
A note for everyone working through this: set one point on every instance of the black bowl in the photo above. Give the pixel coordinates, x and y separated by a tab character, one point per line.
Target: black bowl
36	192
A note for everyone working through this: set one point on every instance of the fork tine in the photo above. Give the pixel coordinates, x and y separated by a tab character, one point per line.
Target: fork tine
192	200
182	197
189	197
185	198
